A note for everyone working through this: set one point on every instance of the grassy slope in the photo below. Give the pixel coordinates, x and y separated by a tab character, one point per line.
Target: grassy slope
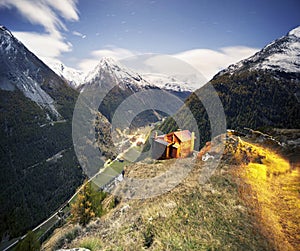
251	202
223	214
275	187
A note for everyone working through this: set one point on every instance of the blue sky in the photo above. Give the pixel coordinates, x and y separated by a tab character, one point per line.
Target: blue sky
209	34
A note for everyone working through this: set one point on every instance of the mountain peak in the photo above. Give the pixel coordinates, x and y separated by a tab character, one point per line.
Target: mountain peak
7	31
112	64
119	72
281	55
108	60
295	32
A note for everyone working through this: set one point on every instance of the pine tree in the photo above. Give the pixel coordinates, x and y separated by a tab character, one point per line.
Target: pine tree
30	243
82	209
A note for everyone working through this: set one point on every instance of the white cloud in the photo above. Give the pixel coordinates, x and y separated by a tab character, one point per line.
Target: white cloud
66	8
37	43
49	14
44	12
78	34
209	62
88	64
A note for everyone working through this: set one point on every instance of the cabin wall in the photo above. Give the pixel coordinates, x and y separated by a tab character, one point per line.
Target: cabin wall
182	149
185	149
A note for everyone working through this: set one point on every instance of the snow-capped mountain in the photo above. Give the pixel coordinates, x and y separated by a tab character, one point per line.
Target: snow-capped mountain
124	76
168	82
74	77
22	70
261	92
35	125
119	82
282	55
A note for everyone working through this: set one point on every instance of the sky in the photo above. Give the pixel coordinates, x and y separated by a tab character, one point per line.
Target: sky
208	34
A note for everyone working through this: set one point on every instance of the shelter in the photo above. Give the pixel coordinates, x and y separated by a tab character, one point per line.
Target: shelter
179	144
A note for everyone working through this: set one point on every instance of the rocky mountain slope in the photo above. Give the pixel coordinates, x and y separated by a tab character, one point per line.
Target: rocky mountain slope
281	55
74	77
39	169
120	83
77	79
259	92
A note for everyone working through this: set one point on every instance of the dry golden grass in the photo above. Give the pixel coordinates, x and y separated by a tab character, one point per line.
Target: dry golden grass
189	217
237	209
275	188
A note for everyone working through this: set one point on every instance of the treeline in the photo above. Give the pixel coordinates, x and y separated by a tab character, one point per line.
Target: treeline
254	99
30	187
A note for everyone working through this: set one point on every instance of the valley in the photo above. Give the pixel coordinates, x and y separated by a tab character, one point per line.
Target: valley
76	163
106	177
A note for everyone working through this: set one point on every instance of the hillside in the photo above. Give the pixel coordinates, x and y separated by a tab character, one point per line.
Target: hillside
121	84
39	169
255	93
240	208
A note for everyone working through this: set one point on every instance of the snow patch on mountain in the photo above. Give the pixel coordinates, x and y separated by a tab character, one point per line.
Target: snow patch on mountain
282	54
295	32
33	91
17	71
74	77
167	82
289	61
123	75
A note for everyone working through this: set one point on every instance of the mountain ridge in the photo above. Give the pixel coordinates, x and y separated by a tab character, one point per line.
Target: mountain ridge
272	56
74	77
253	97
35	124
77	79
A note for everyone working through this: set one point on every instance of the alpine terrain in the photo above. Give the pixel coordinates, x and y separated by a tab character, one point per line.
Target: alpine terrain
262	91
74	77
240	191
121	82
39	170
248	200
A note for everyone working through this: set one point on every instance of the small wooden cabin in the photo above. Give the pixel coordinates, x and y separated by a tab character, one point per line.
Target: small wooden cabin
179	144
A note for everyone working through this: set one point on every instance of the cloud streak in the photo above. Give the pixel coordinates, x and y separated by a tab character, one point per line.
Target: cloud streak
37	43
207	62
78	34
46	13
210	62
49	14
116	53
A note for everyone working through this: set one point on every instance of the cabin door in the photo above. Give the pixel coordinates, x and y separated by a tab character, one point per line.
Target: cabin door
174	152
